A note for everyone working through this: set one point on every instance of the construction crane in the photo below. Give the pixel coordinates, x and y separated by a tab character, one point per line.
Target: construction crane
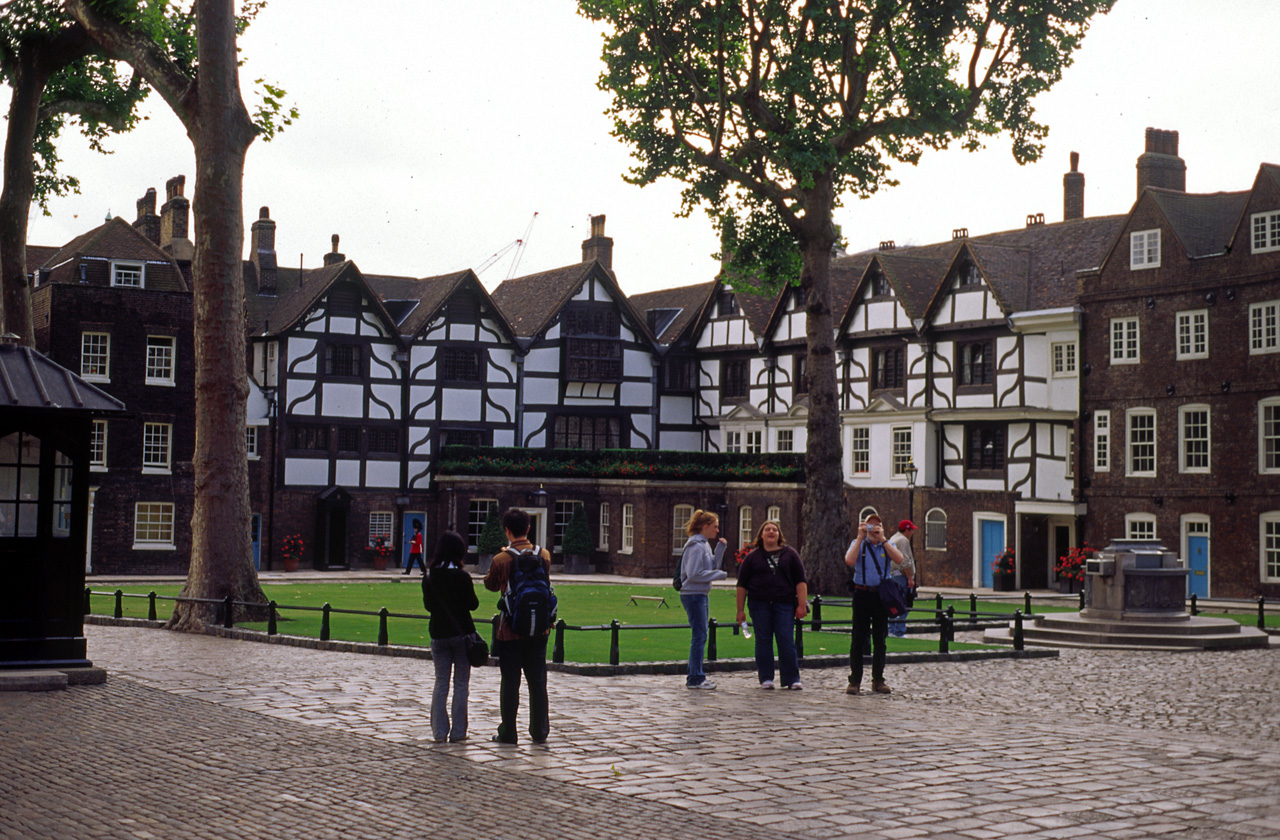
518	245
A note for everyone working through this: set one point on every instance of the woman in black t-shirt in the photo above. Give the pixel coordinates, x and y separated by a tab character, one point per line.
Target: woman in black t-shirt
771	583
449	595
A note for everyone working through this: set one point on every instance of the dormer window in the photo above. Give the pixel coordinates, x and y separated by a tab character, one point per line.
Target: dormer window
726	303
1144	249
1266	231
801	298
968	276
880	286
128	274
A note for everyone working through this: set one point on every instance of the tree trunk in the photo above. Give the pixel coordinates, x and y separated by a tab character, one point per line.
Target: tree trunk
826	522
28	80
221	131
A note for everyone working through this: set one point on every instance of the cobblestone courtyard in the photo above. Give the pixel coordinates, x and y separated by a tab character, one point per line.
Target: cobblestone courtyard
249	740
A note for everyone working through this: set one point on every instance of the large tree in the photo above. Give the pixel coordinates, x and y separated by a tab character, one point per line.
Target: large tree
202	86
772	110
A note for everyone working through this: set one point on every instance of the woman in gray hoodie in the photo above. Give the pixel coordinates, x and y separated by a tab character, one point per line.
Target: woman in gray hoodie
699	566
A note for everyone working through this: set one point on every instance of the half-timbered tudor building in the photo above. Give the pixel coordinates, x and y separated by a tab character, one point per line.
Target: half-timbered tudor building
1181	401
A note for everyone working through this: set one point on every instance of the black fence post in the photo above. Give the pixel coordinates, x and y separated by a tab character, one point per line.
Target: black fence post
1082	597
88	601
937	602
383	639
712	648
119	610
950	626
151	605
615	656
1195	610
271	619
817	613
557	652
799	638
1262	613
227	606
324	622
1017	630
944	633
1026	602
973	606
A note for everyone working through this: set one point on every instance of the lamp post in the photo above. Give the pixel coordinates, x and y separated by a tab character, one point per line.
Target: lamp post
911	471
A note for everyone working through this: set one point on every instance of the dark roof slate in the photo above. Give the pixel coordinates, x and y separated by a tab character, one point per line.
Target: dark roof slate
31	380
1203	223
530	302
115	239
688	300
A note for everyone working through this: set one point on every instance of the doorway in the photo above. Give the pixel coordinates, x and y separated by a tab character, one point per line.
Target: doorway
988	543
1195	548
406	540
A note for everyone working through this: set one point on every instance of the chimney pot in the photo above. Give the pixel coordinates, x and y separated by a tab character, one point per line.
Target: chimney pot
1073	191
262	252
1159	165
174	216
960	233
148	223
599	247
334	256
887	245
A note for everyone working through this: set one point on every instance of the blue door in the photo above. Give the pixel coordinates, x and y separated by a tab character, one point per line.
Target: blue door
992	543
255	533
406	538
1198	563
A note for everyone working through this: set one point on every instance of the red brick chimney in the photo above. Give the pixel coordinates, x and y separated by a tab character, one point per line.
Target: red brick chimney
262	251
148	223
334	256
599	247
1073	191
1159	165
173	221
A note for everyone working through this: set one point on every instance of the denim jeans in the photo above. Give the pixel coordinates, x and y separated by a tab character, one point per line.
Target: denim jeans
527	656
775	620
898	626
450	655
698	608
869	618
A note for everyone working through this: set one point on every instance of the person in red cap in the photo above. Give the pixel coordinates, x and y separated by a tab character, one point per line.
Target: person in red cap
903	573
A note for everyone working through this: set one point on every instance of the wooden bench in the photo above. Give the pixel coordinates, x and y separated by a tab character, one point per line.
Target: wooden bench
662	602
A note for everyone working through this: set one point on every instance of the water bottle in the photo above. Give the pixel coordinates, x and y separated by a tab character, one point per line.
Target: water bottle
746	631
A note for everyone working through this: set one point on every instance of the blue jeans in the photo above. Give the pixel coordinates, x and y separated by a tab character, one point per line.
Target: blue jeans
775	620
698	608
898	626
450	655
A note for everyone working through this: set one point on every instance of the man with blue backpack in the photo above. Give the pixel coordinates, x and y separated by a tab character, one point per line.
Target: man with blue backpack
522	573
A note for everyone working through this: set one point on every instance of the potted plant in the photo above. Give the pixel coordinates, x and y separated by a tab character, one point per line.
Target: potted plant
291	548
577	544
492	540
1070	568
1003	570
379	552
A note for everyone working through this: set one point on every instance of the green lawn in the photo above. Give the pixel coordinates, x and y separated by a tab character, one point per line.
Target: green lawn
580	605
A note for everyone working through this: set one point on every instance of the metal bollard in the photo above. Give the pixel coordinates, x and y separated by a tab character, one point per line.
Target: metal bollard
950	624
973	606
557	652
937	602
383	639
151	605
615	655
227	607
88	601
1082	597
119	611
271	619
324	622
817	613
712	647
1017	630
1194	609
1026	602
1262	613
945	631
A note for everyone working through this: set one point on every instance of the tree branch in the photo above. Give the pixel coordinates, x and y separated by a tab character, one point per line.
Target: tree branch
86	110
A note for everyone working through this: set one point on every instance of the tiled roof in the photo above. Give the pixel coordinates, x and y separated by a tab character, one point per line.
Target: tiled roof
530	302
1203	223
687	300
115	239
38	255
915	278
758	309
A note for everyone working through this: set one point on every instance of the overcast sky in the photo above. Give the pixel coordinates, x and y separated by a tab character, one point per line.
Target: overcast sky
432	131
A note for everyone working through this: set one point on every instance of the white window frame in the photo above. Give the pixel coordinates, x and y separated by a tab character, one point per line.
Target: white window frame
860	450
754	442
774	514
251	438
901	452
119	266
1102	441
1264	327
862	516
745	534
1129	349
152	464
562	515
1144	249
786	440
1129	443
165	346
475	527
680	514
156	534
603	542
1269	546
732	441
382	524
1264	229
1183	460
1132	521
86	338
1071	453
1186	324
935	516
628	529
1272	403
1063	356
98	447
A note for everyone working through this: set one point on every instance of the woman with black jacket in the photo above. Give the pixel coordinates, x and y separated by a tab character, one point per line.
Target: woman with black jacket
448	594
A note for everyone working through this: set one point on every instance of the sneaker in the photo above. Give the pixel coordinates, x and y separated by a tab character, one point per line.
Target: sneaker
881	688
767	684
498	739
853	688
796	686
705	685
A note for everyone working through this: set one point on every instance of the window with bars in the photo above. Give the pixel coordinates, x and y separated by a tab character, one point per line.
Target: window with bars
309	436
478	511
380	525
861	449
1124	341
935	530
95	356
464	437
1264	327
348	438
986	447
1193	438
1144	249
1269	435
345	299
384	441
587	432
160	355
153	525
888	368
734	383
603	543
975	363
1193	334
680	515
460	364
98	446
1266	231
1102	441
593	348
156	446
343	360
901	450
1141	424
628	527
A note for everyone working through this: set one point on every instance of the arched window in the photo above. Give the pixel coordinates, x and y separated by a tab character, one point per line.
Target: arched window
745	534
865	512
774	514
935	530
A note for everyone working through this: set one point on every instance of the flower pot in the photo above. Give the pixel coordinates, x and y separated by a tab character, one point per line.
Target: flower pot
380	562
290	563
483	563
1003	581
577	564
1069	586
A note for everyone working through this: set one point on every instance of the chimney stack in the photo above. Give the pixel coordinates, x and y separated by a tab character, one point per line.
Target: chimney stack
1159	165
334	256
599	247
148	223
1073	191
262	251
173	221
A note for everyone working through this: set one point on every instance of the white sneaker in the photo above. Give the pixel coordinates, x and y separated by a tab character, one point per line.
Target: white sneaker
768	684
796	686
705	685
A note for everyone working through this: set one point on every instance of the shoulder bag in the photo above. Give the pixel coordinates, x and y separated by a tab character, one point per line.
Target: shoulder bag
477	648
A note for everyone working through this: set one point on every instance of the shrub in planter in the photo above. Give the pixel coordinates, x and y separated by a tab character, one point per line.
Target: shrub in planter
577	544
492	540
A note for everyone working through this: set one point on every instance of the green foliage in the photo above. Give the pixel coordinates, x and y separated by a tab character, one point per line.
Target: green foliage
492	538
621	463
577	534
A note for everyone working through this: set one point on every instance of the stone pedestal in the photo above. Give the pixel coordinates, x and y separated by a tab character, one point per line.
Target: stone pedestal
1135	579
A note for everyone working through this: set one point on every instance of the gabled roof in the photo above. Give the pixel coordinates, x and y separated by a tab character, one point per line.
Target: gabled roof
686	301
38	255
758	309
31	380
292	306
1203	223
532	302
428	295
115	239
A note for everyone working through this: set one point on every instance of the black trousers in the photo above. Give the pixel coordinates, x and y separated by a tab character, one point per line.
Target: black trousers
869	618
527	656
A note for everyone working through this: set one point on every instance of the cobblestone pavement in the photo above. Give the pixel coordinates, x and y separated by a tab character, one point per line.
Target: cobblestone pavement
290	741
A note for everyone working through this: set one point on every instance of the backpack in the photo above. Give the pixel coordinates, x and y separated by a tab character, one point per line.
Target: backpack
678	580
529	603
